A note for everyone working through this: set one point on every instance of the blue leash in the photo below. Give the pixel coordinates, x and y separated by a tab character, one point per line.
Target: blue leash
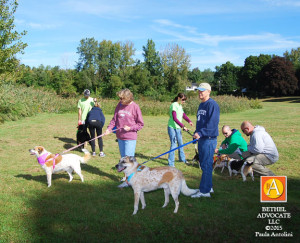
193	141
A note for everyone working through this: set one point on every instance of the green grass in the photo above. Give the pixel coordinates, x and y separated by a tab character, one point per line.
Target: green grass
98	211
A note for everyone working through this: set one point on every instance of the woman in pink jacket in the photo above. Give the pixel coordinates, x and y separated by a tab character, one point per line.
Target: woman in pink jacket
128	117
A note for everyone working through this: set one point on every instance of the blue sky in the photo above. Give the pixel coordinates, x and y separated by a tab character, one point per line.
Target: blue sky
212	32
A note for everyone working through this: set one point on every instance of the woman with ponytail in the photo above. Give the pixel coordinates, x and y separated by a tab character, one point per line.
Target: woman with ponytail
174	127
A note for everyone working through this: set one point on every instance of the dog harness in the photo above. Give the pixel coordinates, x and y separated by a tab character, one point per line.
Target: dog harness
132	174
42	159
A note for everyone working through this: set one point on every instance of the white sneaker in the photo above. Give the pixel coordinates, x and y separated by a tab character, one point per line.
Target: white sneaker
212	190
94	154
199	194
102	154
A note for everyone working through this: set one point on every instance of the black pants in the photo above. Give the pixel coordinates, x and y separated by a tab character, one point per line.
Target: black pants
96	126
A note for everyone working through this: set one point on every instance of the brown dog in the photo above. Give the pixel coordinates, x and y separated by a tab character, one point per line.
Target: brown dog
221	161
145	179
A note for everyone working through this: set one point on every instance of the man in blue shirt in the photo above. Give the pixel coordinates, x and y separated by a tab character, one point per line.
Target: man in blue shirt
208	116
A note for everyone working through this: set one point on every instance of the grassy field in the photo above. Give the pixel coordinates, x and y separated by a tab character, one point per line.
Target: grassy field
98	211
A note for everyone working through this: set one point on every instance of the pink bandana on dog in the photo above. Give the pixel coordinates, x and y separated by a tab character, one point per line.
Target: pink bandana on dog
42	159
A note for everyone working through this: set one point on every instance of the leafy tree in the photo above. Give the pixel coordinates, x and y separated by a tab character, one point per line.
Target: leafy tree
127	51
87	51
176	63
194	76
207	76
152	59
251	71
226	78
278	77
293	56
10	40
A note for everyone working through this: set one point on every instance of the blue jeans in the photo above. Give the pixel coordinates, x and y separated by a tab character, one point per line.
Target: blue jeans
206	149
127	147
175	137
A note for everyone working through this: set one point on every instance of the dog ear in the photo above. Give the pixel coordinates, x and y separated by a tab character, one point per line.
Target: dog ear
40	149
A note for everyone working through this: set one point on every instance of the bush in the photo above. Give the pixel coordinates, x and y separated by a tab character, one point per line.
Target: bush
20	101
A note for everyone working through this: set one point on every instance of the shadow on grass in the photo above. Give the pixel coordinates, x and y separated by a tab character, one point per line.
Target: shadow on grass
287	99
43	178
69	142
85	212
94	170
143	158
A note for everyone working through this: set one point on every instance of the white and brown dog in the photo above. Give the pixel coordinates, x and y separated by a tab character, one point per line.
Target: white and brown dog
220	161
240	166
144	179
56	163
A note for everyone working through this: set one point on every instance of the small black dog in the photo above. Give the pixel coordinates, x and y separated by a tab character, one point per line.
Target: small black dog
82	135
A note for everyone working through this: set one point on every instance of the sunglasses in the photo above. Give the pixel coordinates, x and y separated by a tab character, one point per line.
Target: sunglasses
243	130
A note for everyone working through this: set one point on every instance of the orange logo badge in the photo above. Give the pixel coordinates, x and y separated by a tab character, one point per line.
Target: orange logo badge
273	189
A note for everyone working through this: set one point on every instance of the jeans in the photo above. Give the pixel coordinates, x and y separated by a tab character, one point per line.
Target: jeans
206	149
127	147
175	137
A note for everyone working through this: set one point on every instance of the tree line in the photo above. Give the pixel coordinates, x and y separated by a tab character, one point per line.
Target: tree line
106	67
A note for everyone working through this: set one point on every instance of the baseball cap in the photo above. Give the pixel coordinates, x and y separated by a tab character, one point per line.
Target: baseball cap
204	86
87	92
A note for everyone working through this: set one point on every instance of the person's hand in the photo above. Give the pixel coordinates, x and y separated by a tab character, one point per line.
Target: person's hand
216	151
196	136
185	129
107	132
126	128
79	122
191	124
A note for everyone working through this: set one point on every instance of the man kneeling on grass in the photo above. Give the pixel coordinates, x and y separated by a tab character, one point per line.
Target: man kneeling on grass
262	150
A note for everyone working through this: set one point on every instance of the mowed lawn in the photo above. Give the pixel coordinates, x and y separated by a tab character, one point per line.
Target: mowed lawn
98	211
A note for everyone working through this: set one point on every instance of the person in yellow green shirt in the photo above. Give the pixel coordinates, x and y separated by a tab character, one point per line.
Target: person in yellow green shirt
174	128
84	106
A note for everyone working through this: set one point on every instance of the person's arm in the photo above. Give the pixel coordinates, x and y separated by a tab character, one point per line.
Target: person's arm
139	123
230	150
257	144
174	115
79	115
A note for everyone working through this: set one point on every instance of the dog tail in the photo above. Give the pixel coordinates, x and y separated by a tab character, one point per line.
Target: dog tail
86	157
187	191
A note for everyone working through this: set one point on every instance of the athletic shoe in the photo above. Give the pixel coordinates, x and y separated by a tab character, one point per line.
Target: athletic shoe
102	154
94	154
187	163
211	190
199	194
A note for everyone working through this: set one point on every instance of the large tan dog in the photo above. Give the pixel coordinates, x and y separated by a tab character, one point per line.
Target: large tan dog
145	179
56	163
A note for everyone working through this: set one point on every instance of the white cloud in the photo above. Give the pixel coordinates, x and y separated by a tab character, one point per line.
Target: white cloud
287	3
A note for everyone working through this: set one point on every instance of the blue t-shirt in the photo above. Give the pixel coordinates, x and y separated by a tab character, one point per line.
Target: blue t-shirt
208	117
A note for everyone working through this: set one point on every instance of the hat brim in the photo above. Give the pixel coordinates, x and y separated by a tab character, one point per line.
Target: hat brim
201	89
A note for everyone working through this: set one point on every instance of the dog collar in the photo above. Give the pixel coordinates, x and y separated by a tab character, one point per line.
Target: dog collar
132	174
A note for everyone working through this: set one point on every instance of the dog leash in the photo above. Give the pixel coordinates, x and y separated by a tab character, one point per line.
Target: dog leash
70	149
193	141
188	131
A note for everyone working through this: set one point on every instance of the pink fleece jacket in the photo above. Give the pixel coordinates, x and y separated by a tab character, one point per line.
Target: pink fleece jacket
129	115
